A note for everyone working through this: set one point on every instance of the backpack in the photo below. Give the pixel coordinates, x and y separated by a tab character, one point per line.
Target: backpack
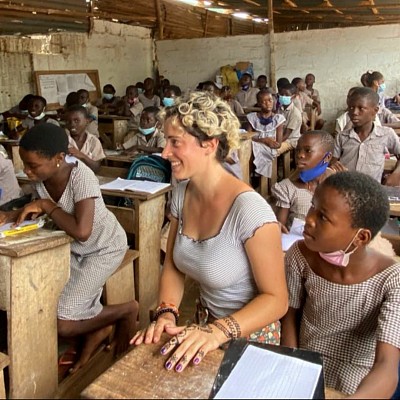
150	168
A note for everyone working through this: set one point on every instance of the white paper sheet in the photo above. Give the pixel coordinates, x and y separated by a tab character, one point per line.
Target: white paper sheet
135	186
295	234
264	374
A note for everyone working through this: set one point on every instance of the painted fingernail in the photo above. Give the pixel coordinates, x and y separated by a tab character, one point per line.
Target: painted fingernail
163	350
178	368
196	360
168	365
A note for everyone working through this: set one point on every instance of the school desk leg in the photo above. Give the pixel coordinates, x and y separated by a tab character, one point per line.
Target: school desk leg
149	216
36	281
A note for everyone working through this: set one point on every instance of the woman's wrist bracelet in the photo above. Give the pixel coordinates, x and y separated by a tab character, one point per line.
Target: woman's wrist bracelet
165	310
222	328
233	326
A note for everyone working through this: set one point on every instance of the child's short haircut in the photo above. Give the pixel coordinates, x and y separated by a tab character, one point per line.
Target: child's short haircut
366	92
83	91
72	99
295	81
288	86
264	91
45	139
281	81
326	139
78	108
109	86
247	74
175	89
151	110
368	202
40	98
129	87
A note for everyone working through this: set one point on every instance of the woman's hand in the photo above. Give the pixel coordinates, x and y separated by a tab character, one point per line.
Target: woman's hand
190	343
153	332
35	208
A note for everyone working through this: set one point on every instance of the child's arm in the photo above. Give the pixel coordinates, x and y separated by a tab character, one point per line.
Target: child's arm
279	134
382	380
92	164
289	329
79	225
282	217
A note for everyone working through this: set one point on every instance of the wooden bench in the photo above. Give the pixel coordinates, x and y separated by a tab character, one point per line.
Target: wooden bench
119	288
4	362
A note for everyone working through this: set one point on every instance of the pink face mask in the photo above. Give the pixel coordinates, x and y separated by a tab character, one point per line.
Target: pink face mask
339	258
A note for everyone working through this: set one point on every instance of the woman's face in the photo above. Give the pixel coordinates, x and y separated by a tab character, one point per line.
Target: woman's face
183	150
37	167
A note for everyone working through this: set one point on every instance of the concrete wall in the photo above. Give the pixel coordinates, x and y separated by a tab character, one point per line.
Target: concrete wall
337	57
122	54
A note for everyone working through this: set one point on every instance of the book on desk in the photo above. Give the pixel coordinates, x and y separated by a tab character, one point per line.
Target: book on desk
135	186
256	370
393	194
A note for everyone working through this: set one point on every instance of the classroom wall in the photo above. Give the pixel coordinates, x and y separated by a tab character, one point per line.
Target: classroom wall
337	57
123	54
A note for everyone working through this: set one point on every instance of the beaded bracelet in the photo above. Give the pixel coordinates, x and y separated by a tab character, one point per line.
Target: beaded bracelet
233	326
164	311
222	328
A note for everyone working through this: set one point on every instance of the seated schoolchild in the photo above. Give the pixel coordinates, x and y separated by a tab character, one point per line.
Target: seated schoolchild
307	104
310	90
235	106
140	87
363	146
343	295
292	125
150	138
209	86
293	195
261	82
20	110
93	111
82	144
269	127
247	95
36	114
9	188
71	196
130	106
148	98
170	94
108	104
343	121
376	81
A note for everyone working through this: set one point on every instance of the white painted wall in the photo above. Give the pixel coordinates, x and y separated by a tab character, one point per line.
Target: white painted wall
122	54
337	57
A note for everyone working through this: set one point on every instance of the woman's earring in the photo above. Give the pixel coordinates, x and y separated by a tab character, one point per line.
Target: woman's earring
58	165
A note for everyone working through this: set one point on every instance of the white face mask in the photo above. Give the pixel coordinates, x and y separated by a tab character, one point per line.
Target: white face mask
41	116
340	258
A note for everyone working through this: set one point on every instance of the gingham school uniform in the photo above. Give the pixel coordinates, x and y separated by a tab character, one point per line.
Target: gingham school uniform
264	155
344	322
92	261
298	200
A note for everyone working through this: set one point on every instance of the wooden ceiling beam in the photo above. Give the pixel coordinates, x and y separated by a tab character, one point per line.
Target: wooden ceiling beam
344	9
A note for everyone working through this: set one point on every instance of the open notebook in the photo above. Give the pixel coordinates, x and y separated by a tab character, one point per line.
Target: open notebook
135	186
10	230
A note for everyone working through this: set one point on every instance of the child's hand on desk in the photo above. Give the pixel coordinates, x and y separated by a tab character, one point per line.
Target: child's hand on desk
392	179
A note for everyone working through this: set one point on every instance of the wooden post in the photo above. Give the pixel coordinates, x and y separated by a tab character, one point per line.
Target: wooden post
206	24
160	21
272	67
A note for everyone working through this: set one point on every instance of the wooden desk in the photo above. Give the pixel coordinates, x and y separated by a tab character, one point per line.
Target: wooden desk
12	147
145	220
141	375
112	129
34	267
244	152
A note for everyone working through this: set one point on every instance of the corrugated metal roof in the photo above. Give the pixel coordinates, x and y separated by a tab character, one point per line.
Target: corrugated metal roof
35	17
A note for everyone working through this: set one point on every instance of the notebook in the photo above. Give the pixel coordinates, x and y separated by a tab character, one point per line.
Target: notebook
255	370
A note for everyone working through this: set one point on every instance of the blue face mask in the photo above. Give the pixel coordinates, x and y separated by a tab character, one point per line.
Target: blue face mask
108	96
245	87
285	100
310	174
140	90
382	87
265	121
147	131
168	101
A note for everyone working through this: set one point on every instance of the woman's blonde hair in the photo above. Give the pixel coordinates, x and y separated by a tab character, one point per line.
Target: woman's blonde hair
206	116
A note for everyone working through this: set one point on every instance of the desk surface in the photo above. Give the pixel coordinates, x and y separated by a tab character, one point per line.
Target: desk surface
31	242
141	375
111	116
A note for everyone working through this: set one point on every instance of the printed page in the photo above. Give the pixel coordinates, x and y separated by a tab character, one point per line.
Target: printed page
117	184
263	374
295	234
147	186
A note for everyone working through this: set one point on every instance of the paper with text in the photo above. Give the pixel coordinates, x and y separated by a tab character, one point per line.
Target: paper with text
263	374
295	234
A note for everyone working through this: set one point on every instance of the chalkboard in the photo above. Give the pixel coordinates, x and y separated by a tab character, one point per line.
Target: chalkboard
54	86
